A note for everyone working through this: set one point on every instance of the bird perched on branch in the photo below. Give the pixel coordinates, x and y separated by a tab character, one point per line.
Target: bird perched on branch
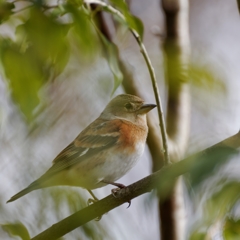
103	152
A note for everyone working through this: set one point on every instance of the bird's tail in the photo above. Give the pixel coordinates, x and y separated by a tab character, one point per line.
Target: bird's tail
33	186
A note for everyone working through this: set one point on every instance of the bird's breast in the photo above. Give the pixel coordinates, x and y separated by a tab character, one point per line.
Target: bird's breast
132	138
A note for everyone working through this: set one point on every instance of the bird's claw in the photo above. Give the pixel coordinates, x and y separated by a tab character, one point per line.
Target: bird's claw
115	194
97	219
115	191
90	201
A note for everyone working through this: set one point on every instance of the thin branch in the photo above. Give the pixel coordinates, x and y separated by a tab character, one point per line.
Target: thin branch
151	71
160	179
157	97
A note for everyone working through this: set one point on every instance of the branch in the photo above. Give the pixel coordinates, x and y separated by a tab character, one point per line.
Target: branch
151	72
160	180
177	56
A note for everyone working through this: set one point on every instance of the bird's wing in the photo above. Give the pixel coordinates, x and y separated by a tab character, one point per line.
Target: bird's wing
98	136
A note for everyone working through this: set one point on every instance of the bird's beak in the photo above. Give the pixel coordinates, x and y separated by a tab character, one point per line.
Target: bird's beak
145	108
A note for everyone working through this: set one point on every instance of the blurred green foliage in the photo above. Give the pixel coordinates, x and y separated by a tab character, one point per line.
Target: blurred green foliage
198	236
43	41
25	76
198	170
206	79
43	44
132	21
217	209
231	229
16	229
112	56
223	199
83	29
38	54
200	75
204	165
5	10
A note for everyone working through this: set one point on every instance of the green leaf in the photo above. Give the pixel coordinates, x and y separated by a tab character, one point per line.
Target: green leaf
83	30
16	229
231	230
114	66
133	22
5	10
205	164
25	77
47	39
197	168
58	11
223	199
218	204
205	78
197	236
112	56
41	51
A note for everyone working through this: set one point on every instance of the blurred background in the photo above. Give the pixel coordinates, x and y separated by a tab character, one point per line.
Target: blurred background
55	79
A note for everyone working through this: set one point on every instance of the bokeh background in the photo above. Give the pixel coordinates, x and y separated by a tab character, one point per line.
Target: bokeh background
76	95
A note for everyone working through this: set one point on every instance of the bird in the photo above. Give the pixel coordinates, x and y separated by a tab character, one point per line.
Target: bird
103	152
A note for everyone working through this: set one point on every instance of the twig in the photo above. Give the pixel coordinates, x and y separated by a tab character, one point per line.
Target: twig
152	75
160	180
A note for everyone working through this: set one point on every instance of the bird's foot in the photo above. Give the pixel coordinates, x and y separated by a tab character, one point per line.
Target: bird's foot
115	194
90	201
116	190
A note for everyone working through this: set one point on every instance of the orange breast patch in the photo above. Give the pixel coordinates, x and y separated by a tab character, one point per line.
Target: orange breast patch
131	135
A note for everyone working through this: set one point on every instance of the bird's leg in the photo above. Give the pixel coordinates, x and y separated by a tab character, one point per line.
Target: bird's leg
115	190
93	200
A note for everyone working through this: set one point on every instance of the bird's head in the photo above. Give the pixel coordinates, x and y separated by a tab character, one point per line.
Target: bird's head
129	107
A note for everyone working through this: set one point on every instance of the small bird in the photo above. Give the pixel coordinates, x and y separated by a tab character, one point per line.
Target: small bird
103	152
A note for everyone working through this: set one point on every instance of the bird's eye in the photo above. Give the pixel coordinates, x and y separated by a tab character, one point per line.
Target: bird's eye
128	106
